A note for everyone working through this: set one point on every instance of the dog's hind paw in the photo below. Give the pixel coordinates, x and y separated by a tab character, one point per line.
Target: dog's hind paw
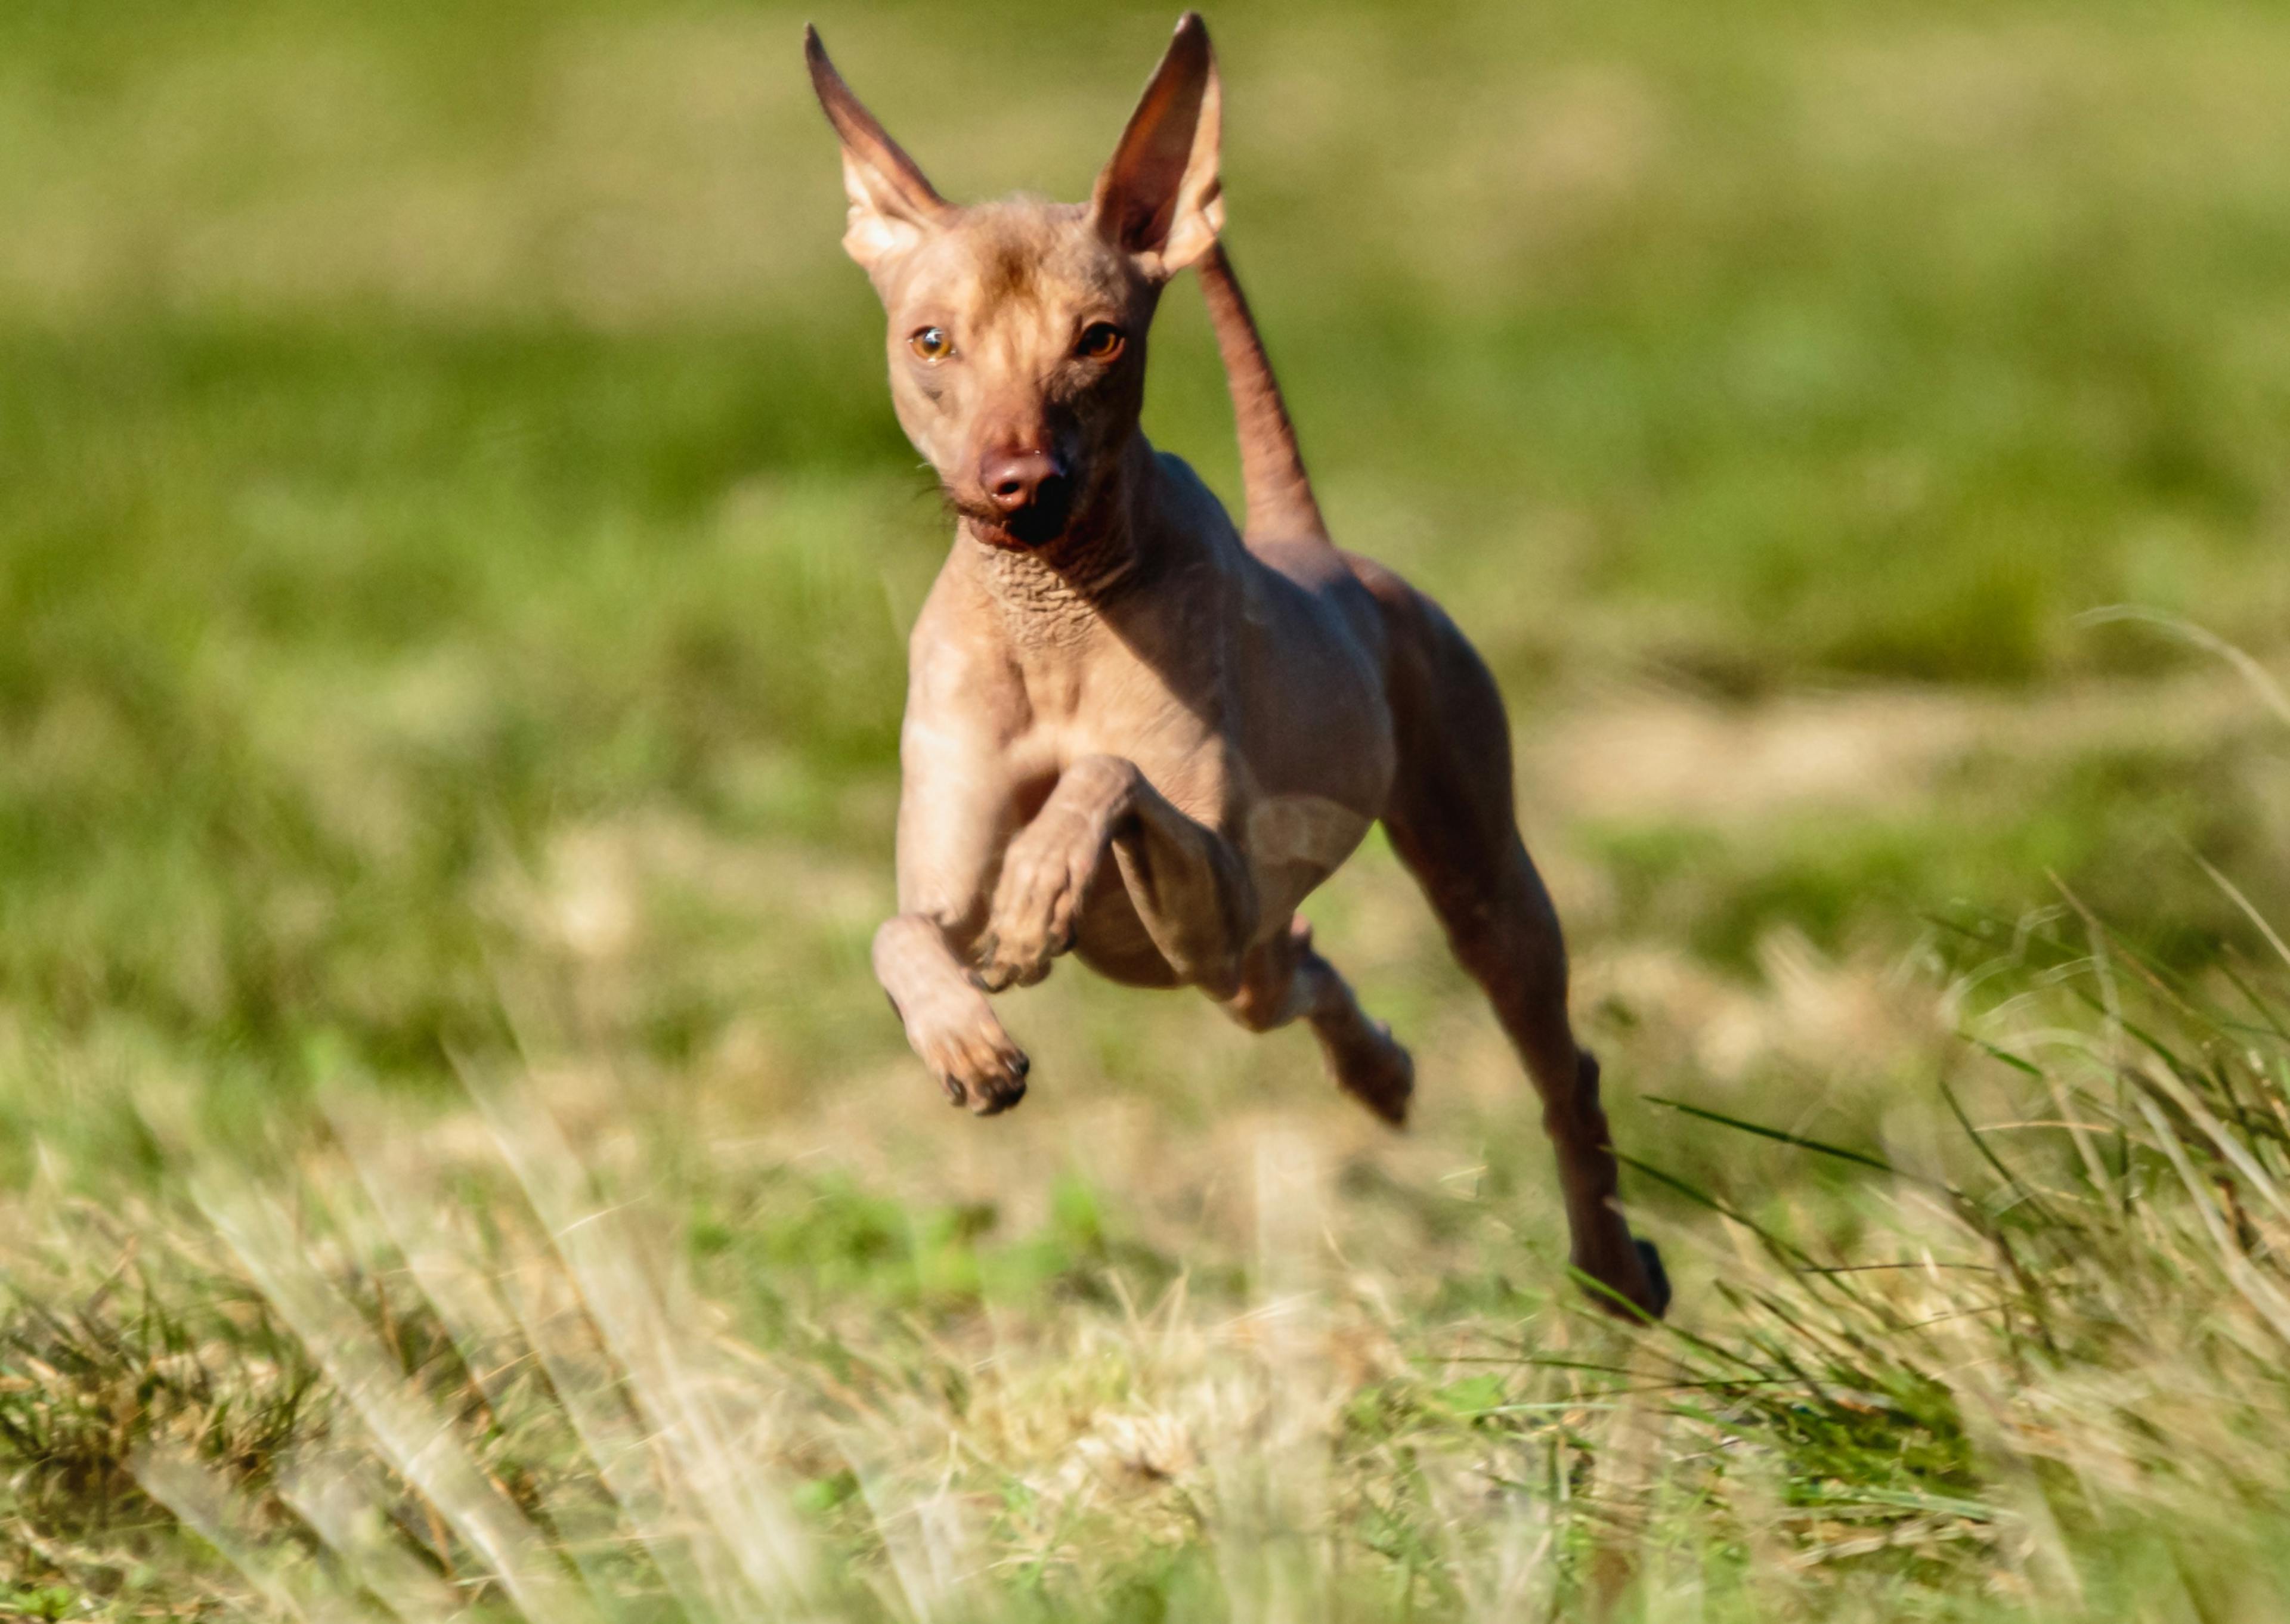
1657	1277
1625	1273
1375	1071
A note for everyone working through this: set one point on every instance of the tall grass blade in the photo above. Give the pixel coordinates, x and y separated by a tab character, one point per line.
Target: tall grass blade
420	1443
337	1498
712	1428
207	1505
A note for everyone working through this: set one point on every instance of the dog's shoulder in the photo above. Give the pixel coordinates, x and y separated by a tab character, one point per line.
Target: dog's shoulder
957	646
1190	503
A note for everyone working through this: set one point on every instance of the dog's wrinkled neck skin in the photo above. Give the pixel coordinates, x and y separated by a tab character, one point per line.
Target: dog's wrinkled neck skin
1035	441
1053	593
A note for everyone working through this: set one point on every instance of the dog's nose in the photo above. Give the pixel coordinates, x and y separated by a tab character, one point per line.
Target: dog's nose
1015	481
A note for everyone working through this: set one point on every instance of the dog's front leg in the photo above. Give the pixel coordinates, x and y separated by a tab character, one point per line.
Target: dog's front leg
948	1022
1189	885
955	808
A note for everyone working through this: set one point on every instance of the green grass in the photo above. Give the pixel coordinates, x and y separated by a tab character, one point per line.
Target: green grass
455	554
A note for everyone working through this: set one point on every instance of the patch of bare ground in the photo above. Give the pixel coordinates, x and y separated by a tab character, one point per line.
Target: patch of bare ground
1647	754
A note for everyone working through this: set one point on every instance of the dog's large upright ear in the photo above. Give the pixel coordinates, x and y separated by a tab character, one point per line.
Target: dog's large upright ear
1159	197
893	204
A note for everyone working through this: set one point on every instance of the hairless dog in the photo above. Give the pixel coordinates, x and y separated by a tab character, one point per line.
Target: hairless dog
1136	734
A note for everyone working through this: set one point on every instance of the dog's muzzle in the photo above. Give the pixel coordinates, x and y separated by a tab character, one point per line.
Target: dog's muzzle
1031	494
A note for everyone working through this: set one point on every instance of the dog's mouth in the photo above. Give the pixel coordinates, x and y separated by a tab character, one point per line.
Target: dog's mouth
1034	524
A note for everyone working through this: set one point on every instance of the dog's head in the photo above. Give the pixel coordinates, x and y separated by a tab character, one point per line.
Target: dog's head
1017	331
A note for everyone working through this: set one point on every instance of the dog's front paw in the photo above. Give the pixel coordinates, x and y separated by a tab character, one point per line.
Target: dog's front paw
1038	902
963	1044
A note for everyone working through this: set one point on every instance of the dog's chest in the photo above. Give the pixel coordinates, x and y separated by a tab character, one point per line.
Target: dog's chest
1103	693
1170	723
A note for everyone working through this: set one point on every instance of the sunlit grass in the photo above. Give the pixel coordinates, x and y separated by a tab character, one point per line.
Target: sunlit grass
2022	1364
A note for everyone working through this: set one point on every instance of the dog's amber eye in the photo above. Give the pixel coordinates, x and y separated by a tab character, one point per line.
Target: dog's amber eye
931	344
1100	341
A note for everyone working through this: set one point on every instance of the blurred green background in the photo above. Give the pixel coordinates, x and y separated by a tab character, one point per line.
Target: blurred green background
451	517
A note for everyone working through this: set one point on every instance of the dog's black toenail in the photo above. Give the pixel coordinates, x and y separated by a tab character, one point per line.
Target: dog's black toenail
1657	1276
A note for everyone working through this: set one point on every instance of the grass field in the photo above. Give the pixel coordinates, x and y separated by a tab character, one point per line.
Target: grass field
455	554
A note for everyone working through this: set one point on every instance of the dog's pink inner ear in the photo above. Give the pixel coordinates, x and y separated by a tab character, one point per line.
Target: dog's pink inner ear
892	203
1158	196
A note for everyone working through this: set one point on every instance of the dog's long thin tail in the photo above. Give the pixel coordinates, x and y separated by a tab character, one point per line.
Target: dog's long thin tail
1280	501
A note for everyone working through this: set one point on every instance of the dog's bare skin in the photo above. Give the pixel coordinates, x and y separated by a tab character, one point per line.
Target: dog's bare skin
1134	733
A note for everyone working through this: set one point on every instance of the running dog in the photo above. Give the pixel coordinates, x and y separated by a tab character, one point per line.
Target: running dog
1140	735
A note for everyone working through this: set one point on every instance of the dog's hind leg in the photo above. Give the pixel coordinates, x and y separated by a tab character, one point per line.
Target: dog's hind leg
1283	978
1452	820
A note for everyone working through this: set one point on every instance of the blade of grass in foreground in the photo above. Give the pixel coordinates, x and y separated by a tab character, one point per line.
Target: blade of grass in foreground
420	1443
1821	1147
711	1429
